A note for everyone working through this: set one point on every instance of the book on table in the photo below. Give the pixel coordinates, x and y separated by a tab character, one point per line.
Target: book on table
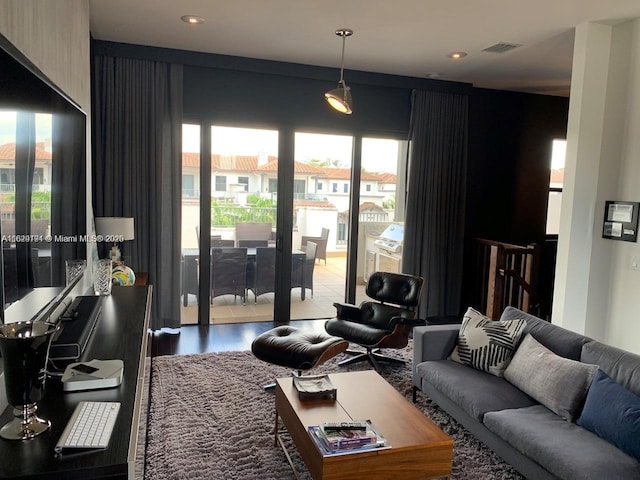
334	441
314	386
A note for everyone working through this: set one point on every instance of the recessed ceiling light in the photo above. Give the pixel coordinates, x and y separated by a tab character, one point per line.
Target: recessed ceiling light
192	19
457	55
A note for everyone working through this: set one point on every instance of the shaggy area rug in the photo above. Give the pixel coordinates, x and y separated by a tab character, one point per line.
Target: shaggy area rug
211	420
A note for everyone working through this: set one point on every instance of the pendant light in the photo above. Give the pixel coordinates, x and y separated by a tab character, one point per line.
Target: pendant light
340	97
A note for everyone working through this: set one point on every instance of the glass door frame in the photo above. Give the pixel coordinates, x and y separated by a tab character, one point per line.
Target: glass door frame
284	222
284	226
204	284
354	224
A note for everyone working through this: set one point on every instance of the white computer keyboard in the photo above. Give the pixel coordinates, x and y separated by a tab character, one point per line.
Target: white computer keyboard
90	426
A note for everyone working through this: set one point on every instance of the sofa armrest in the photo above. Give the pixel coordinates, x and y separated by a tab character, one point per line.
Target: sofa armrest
433	342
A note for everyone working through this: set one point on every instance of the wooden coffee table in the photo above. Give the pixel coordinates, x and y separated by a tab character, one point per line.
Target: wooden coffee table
419	449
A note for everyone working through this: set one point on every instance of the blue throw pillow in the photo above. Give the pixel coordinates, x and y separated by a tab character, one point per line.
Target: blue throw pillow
613	413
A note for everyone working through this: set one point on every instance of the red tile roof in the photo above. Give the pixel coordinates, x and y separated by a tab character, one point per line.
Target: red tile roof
345	174
249	163
370	206
246	163
8	152
190	159
557	176
337	173
299	167
242	163
390	178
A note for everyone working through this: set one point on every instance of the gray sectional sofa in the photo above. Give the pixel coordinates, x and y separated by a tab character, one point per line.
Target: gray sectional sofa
533	439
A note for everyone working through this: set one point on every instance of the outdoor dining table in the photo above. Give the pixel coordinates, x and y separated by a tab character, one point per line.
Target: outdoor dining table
190	270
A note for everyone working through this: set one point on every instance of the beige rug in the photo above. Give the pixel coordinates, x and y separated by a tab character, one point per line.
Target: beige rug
210	419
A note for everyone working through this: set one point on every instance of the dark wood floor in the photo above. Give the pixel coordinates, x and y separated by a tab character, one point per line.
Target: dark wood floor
217	338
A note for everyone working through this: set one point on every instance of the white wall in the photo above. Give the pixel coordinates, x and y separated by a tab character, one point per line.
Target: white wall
595	289
310	222
624	287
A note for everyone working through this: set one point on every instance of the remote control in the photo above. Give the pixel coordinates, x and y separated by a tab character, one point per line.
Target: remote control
337	426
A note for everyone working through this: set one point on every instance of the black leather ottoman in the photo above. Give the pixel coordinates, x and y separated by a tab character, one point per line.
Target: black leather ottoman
294	348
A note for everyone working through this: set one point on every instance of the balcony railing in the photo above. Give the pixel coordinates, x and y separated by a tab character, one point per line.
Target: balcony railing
373	217
506	274
39	210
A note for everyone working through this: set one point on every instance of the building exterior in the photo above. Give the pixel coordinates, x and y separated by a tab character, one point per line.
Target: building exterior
41	180
321	194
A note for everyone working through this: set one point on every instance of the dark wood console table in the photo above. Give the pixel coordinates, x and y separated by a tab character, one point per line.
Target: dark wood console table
122	332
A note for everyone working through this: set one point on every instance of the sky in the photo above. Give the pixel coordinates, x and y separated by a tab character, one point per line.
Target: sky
378	155
558	154
8	126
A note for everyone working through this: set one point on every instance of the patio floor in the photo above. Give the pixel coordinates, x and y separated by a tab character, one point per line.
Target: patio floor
329	282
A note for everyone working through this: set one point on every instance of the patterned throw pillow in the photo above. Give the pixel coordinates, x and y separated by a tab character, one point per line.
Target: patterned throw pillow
485	344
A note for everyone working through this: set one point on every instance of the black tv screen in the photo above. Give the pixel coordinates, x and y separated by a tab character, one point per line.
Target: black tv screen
42	180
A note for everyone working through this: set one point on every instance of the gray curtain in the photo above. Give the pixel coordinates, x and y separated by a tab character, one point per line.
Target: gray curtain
436	189
68	188
137	135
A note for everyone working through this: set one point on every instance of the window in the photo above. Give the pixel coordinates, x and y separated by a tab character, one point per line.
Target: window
345	188
367	187
221	183
341	238
187	185
556	182
319	186
38	176
334	187
299	187
244	181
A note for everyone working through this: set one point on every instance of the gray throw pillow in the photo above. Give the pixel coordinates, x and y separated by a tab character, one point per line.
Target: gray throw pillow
485	344
556	382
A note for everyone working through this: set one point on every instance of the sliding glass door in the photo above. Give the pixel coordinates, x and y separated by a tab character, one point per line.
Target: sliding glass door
244	179
189	240
381	212
322	173
309	210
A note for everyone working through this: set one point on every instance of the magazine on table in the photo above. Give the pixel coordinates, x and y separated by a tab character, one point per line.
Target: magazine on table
340	441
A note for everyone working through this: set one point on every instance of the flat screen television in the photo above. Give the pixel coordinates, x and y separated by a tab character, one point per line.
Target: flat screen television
42	185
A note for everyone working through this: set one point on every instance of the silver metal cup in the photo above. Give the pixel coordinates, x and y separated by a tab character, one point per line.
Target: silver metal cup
25	351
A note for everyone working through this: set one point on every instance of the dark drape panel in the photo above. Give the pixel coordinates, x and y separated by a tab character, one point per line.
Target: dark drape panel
68	189
137	125
434	227
25	161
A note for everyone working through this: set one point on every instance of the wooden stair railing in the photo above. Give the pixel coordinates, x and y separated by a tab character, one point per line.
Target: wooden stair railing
506	277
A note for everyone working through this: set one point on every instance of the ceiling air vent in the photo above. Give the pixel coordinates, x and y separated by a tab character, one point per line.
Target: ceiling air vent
501	47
